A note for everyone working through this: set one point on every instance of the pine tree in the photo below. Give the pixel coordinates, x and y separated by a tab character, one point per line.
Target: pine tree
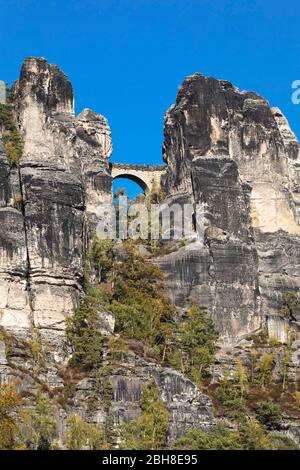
284	366
264	369
141	308
84	332
219	438
149	432
241	377
40	425
196	343
269	414
253	436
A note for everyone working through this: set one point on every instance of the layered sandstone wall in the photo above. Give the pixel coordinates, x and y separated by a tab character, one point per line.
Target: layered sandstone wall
227	149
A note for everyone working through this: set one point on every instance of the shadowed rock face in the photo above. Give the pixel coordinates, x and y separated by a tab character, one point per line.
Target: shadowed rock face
62	179
228	150
188	407
225	149
212	117
48	208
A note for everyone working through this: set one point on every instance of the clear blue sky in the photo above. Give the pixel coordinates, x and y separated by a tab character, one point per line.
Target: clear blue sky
126	58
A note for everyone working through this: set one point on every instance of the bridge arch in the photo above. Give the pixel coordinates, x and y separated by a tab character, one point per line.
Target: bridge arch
135	179
144	175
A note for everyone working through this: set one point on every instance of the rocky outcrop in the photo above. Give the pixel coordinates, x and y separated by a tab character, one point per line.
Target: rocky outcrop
227	149
62	179
49	207
188	407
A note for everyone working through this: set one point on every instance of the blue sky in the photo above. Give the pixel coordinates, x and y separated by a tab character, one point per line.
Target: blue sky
126	58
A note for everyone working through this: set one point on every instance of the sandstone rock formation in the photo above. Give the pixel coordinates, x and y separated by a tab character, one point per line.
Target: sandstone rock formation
49	206
62	179
230	151
225	149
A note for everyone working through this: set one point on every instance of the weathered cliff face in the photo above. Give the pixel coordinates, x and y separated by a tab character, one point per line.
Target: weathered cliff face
225	149
63	177
221	274
49	206
228	150
211	117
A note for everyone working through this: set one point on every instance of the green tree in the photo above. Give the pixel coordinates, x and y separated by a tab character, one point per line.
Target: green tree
101	256
264	369
253	435
282	442
232	391
290	305
195	344
284	366
219	438
117	348
149	431
84	331
253	361
139	303
230	395
12	139
269	414
40	425
241	378
10	402
249	436
81	435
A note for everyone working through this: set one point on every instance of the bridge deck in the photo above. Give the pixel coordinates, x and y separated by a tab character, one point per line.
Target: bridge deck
132	167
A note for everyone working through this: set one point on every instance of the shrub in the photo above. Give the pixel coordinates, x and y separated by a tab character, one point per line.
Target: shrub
282	442
269	414
290	305
18	202
249	436
81	435
10	402
220	438
12	139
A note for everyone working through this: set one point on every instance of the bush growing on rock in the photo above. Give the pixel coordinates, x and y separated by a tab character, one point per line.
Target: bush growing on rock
249	436
10	402
219	438
81	435
12	139
269	414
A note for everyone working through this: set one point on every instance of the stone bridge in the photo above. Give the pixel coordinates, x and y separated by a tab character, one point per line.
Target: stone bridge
144	175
